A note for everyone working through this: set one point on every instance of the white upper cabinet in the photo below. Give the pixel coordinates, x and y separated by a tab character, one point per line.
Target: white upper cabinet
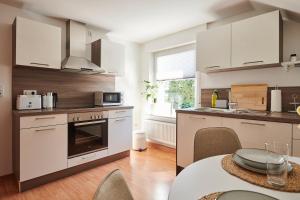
113	57
36	44
214	49
245	44
256	41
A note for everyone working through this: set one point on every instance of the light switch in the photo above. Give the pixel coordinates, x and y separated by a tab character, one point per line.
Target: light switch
1	90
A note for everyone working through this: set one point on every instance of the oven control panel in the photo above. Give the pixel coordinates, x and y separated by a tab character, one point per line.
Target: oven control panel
87	116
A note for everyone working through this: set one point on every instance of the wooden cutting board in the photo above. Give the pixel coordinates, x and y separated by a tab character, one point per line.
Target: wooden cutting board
251	96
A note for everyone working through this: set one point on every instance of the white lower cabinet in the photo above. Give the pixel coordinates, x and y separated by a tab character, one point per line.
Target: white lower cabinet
43	150
254	134
296	140
187	126
296	148
119	135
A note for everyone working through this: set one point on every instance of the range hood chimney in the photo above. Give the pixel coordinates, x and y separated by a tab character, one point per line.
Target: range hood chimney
76	51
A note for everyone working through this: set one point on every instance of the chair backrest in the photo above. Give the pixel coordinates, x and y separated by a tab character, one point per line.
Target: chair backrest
113	187
215	141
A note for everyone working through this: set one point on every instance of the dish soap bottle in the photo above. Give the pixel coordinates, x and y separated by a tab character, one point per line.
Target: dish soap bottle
214	98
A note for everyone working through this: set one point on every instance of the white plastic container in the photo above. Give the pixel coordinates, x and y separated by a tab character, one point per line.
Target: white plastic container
139	140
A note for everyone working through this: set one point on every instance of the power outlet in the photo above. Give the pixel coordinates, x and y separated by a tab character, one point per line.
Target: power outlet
1	91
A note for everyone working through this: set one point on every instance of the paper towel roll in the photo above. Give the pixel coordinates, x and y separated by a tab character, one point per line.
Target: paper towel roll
276	101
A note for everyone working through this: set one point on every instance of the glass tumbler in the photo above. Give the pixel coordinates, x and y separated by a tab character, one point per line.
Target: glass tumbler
277	163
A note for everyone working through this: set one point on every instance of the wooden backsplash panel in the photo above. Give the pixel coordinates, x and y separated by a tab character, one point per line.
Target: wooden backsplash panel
73	89
286	95
286	92
206	95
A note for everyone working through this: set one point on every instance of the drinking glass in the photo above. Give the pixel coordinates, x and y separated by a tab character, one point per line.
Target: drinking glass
233	106
277	163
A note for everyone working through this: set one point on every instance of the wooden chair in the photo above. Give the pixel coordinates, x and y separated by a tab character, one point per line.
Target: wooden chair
113	187
215	141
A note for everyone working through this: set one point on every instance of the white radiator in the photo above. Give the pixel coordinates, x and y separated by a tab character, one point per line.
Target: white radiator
161	132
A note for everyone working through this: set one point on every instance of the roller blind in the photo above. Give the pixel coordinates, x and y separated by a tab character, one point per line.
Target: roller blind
176	63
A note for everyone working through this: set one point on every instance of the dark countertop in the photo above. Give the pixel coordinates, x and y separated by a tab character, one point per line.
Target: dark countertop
66	110
283	117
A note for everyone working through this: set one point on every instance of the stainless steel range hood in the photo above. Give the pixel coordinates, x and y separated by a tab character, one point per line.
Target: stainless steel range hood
78	51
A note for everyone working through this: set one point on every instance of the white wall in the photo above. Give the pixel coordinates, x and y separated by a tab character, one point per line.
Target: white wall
129	83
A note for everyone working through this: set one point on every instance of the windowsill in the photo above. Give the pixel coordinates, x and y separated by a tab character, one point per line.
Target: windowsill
171	120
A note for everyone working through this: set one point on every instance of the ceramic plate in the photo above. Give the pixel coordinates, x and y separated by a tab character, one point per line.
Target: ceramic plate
244	195
240	162
259	157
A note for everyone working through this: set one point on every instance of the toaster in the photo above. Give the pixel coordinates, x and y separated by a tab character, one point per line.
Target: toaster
29	102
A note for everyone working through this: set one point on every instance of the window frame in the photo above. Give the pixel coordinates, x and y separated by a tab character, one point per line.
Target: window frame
169	51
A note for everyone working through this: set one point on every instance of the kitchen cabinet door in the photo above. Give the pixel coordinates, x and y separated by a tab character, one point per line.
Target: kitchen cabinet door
37	44
187	126
119	135
254	134
43	150
296	148
214	49
113	57
256	41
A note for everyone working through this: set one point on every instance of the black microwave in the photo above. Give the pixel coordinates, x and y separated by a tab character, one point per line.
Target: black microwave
108	98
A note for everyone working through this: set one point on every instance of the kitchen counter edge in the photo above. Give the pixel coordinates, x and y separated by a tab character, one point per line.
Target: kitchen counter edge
22	113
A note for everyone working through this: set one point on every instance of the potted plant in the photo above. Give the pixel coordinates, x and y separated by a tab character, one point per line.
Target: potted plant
150	91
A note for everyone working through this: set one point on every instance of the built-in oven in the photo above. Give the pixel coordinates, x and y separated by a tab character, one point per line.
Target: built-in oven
87	133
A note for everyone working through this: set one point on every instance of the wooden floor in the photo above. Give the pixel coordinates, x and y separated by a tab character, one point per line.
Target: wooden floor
149	175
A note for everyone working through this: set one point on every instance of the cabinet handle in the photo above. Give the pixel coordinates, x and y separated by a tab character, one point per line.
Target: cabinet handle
90	123
212	67
86	69
193	117
35	63
46	129
255	124
121	111
119	120
40	118
253	62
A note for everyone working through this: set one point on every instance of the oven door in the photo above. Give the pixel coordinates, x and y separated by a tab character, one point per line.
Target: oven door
86	137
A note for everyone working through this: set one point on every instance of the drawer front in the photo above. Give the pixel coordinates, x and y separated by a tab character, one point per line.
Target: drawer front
120	113
43	151
87	158
42	120
296	148
296	131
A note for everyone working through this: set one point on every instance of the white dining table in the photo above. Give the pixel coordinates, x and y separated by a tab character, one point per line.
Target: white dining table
207	176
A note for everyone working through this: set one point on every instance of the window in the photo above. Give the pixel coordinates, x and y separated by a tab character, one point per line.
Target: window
175	77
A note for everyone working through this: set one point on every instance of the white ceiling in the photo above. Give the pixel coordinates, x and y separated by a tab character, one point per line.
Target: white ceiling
144	20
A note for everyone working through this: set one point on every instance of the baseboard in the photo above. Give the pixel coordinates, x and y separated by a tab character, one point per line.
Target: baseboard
162	147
